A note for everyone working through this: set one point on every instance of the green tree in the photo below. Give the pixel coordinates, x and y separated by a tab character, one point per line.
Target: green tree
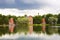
58	18
52	20
1	19
22	24
37	19
5	19
47	16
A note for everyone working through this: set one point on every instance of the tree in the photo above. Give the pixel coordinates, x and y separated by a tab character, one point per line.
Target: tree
37	19
22	24
52	20
47	16
5	19
58	19
0	19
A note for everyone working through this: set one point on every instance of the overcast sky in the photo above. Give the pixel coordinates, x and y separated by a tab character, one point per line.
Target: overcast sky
29	7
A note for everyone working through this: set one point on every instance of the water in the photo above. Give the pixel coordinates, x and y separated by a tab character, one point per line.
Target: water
32	36
51	33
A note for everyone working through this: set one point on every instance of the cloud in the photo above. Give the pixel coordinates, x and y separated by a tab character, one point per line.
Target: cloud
29	4
31	1
7	1
30	7
10	1
53	3
22	4
32	12
2	1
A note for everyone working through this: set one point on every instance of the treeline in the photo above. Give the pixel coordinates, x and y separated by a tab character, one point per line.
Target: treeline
36	19
22	23
5	19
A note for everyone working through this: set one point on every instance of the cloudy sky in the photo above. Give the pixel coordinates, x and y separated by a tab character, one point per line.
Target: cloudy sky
29	7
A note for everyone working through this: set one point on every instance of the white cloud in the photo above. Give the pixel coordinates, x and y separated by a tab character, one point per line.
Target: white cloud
50	2
53	3
11	12
32	12
53	6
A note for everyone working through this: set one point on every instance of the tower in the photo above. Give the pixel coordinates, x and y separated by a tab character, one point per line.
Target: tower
43	24
11	25
30	18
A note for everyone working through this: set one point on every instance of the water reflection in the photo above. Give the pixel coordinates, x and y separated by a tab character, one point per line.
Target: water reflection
40	37
52	30
33	36
51	33
37	29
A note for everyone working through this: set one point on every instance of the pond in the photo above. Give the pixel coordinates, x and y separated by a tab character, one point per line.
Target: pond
50	33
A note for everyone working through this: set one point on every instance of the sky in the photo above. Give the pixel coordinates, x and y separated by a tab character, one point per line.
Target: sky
29	7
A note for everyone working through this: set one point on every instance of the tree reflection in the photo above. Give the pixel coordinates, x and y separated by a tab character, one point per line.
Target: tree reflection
49	30
37	28
59	30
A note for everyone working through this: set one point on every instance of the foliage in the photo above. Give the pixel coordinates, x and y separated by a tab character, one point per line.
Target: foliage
5	19
58	16
52	20
46	18
37	19
22	24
